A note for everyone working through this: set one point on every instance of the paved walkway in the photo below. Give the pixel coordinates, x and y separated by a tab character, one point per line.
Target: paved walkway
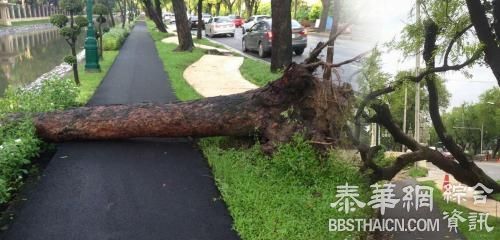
215	75
130	189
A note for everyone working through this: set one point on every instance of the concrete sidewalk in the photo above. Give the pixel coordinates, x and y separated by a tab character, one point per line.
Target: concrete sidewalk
131	189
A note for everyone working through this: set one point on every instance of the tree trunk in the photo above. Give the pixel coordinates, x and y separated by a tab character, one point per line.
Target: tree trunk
75	65
153	14
99	27
209	8
111	17
217	8
249	6
281	52
200	19
497	147
261	111
158	8
183	28
324	15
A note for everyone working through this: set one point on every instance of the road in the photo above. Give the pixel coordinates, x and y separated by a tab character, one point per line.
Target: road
345	48
492	169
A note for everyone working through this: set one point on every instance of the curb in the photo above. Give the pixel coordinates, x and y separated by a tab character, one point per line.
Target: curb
238	51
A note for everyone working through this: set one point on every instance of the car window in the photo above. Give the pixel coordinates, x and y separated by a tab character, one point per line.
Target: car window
222	20
255	26
210	20
250	19
296	24
263	27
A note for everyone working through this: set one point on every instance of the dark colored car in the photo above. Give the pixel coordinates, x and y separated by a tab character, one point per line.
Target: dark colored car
260	37
237	20
194	20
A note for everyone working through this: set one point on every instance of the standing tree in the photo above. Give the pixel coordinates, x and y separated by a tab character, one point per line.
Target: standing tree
324	14
229	4
200	19
281	52
249	6
101	10
110	4
153	14
183	28
122	5
71	32
217	7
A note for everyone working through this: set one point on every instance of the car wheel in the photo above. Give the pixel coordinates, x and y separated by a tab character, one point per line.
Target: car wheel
262	52
299	51
231	35
243	30
244	46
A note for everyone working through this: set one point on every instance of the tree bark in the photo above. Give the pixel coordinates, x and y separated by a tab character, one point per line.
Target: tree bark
217	8
281	52
485	35
158	9
200	19
256	6
324	15
183	28
297	102
497	147
153	14
111	17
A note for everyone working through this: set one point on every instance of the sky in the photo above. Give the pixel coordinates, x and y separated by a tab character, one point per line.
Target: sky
384	19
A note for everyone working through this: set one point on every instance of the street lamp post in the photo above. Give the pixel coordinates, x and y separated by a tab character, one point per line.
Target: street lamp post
91	54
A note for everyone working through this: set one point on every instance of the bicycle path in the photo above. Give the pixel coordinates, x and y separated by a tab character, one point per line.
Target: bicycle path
129	189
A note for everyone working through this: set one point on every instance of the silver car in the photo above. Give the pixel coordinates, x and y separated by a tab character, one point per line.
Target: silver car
259	38
219	26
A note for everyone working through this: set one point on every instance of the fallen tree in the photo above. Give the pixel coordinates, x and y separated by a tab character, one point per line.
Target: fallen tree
299	101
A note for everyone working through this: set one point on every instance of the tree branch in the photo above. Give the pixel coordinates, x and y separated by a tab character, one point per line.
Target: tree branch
453	41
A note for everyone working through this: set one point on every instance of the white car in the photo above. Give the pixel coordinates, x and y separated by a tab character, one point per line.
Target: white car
219	26
169	18
251	21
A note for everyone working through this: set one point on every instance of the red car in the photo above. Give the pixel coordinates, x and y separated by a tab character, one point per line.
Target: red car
237	20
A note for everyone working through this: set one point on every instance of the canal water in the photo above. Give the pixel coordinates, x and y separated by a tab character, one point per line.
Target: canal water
25	56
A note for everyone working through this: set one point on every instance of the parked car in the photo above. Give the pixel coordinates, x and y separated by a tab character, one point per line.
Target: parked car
206	17
252	20
259	38
237	20
169	18
219	26
194	22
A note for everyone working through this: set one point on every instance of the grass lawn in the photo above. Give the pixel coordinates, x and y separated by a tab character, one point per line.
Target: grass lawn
91	80
464	226
286	196
175	63
32	22
257	72
416	171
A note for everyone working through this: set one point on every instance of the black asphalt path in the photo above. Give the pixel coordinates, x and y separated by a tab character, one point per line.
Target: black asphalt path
130	189
399	212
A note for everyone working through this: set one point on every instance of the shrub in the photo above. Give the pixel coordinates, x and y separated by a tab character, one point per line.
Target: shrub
114	39
18	142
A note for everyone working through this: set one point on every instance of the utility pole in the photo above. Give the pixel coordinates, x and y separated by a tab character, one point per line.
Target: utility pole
417	89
